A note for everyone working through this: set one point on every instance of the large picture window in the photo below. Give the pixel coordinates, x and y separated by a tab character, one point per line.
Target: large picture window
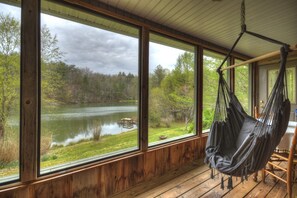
211	61
10	24
171	90
89	87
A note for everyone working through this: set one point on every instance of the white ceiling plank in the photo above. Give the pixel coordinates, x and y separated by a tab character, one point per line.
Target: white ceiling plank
219	21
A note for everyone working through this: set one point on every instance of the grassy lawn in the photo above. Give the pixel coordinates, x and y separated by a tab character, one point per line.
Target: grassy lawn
89	148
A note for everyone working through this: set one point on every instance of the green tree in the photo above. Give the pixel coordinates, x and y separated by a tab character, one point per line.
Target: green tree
179	88
9	67
51	78
50	51
210	88
172	93
158	75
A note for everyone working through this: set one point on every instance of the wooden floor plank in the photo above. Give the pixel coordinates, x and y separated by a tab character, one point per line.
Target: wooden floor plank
263	189
279	190
197	183
183	187
202	188
243	188
218	192
294	192
172	183
155	183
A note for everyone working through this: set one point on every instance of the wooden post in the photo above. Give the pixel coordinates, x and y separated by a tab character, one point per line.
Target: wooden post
29	88
199	89
255	87
232	76
144	70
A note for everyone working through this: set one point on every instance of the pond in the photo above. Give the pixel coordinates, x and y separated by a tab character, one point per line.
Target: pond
73	123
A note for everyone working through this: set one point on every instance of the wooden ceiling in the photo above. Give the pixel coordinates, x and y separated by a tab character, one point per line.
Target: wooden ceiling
218	21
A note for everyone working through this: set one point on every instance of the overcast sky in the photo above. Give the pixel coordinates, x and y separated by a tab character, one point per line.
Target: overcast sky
99	50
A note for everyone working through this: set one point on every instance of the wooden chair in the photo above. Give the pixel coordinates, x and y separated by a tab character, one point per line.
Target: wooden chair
290	157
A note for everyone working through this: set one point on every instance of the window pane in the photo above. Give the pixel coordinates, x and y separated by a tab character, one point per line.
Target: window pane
211	61
171	90
242	86
291	80
89	87
10	20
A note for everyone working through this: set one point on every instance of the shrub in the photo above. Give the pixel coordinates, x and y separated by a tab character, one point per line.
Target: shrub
97	132
9	152
167	121
45	143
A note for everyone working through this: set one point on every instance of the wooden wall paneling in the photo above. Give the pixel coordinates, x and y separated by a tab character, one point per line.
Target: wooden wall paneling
149	165
134	169
162	161
107	180
85	184
176	151
25	192
196	148
101	184
188	150
200	145
117	176
59	187
120	175
29	88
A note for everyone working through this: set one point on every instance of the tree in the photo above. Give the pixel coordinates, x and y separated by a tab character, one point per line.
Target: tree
50	52
179	88
172	93
9	67
158	75
51	78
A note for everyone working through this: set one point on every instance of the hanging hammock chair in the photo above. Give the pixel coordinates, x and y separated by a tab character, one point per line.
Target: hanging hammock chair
239	144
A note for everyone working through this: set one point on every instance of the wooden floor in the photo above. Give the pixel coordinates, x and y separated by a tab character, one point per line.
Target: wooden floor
197	183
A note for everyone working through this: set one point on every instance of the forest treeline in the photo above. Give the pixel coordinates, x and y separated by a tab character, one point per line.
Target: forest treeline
69	84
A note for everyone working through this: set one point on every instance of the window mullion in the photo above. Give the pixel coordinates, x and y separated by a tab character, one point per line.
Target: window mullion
144	50
29	88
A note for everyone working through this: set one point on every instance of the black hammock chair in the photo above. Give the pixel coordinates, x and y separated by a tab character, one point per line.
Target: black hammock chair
238	144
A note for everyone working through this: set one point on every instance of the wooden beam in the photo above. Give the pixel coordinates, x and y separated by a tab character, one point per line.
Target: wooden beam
29	89
262	57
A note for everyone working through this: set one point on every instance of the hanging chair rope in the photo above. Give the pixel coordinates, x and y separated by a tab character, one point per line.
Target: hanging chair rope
243	31
242	15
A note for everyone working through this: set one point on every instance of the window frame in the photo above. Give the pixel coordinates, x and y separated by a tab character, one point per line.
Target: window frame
30	85
229	79
195	102
20	100
88	162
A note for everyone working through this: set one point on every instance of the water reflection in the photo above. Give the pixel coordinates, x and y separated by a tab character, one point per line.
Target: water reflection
107	129
73	124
